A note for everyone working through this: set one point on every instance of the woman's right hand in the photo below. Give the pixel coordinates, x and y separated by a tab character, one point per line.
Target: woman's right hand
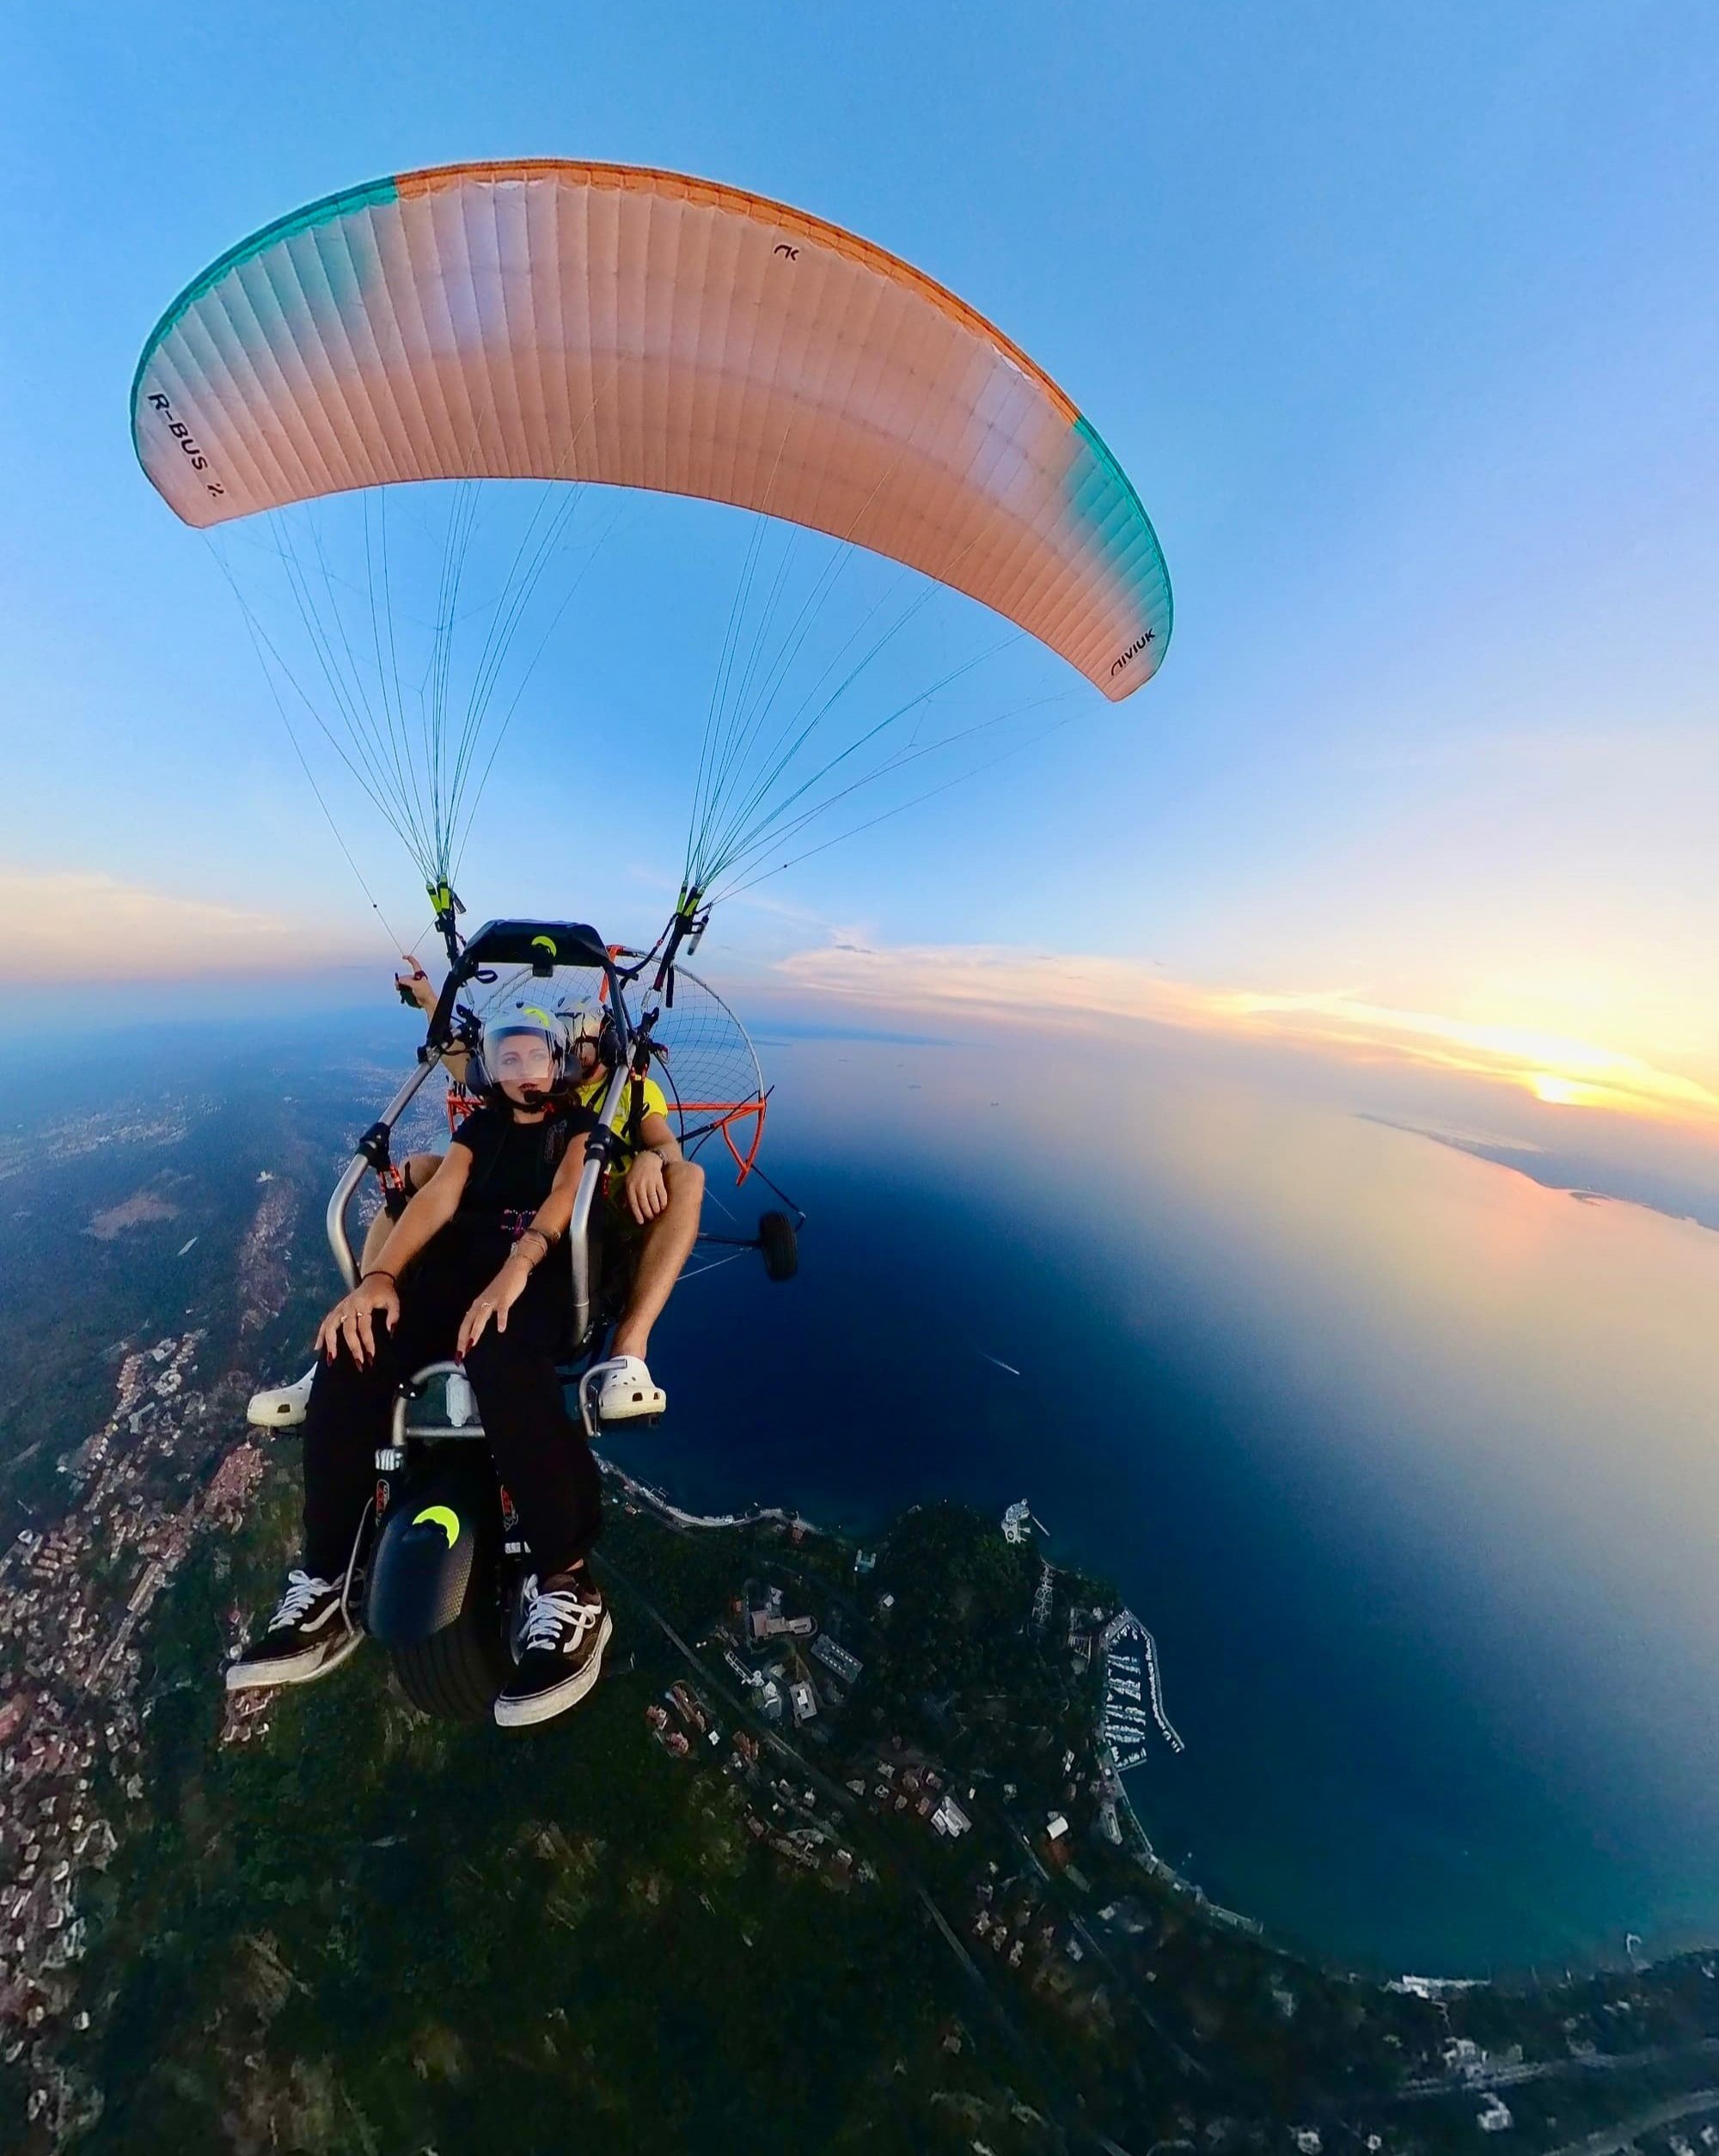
353	1319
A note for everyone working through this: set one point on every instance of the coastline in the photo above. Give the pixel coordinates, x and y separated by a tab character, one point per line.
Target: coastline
1121	1627
1122	1624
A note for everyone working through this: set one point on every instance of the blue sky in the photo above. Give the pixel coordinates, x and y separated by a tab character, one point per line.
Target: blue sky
1401	319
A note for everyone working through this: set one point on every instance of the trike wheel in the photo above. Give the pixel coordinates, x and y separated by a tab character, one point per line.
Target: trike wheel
780	1245
457	1672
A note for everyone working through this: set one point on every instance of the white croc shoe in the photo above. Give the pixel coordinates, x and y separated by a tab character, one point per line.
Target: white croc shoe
281	1408
624	1390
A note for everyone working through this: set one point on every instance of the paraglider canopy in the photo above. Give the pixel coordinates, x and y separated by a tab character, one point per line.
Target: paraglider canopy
572	322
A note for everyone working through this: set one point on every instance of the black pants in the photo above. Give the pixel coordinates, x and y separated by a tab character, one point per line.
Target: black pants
540	1451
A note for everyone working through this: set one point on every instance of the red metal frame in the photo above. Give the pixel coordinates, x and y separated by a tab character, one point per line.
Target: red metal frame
732	1112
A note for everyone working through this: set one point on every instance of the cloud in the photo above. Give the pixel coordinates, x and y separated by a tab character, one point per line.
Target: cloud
993	978
997	982
76	925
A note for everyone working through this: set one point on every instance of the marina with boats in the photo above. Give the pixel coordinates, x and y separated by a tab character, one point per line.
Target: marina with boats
1134	1692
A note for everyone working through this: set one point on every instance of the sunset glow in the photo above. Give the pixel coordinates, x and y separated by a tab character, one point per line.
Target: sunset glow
1562	1071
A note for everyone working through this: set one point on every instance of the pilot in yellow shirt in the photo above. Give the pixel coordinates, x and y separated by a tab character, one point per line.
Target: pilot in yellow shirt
590	1095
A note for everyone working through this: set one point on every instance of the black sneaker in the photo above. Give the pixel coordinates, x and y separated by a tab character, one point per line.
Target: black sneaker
309	1635
562	1638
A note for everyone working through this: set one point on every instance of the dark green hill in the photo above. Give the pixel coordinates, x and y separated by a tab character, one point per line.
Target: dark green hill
362	1930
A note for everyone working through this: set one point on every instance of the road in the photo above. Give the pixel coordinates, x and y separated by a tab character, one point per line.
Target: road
1101	1953
1611	2138
1508	2077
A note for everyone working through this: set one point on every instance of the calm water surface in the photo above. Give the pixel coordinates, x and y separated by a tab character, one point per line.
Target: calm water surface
1408	1461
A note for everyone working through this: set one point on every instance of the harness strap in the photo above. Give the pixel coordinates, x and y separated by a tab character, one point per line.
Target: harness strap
635	1111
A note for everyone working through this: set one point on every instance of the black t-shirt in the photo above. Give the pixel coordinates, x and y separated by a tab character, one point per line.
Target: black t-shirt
513	1164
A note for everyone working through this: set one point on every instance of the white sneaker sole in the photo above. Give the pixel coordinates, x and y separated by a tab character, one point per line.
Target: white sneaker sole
544	1706
647	1404
315	1661
281	1409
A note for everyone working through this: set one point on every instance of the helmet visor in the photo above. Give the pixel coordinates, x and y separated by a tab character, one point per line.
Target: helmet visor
520	1055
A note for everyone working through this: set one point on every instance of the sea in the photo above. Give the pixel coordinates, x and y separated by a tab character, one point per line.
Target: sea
1410	1465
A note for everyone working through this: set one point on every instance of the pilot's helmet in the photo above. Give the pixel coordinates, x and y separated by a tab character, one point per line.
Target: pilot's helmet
590	1036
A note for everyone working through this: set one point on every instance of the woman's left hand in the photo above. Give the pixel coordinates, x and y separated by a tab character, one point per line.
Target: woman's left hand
496	1301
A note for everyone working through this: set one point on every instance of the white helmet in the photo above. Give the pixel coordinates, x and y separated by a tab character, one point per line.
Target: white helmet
588	1023
519	1020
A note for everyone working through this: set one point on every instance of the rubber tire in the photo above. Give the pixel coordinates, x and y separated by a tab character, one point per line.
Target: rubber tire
780	1245
456	1674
